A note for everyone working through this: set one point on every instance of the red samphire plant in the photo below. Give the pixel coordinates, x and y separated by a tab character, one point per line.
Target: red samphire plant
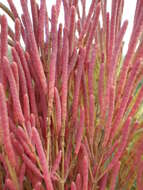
70	101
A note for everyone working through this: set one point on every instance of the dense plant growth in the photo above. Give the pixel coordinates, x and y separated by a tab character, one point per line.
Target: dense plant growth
70	101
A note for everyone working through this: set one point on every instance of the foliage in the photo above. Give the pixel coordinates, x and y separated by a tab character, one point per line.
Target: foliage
70	101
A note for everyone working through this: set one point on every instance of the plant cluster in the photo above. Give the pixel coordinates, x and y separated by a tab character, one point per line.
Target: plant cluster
70	100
